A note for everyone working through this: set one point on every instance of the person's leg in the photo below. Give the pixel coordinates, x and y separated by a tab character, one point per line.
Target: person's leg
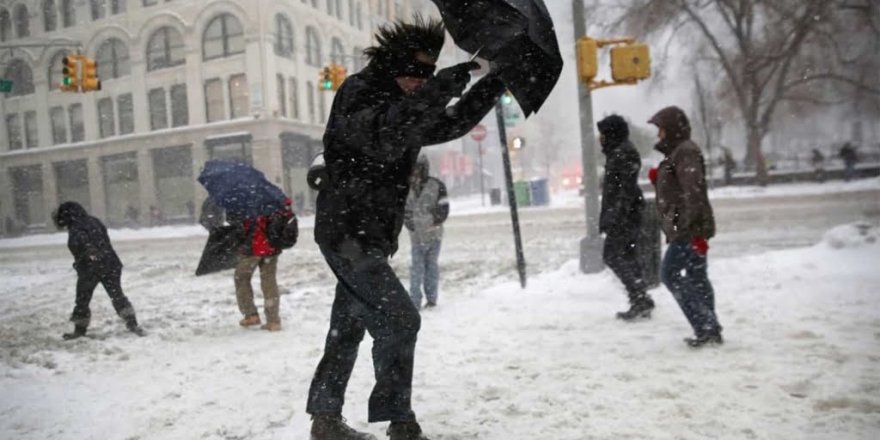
244	293
702	293
432	272
82	314
621	257
673	274
417	274
269	286
113	285
393	321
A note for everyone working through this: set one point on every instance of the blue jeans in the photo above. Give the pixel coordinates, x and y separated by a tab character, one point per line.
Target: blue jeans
684	274
424	272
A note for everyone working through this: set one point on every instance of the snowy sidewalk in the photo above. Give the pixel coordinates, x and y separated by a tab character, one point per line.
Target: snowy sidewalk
801	359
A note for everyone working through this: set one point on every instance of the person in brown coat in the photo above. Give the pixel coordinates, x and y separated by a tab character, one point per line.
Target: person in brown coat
687	220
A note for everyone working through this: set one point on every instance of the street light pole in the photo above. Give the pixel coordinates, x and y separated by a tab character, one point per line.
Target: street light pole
591	245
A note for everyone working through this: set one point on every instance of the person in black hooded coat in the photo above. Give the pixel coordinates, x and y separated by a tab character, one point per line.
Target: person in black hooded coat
621	214
95	262
381	118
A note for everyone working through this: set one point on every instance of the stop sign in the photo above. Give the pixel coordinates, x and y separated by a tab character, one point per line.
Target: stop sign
478	133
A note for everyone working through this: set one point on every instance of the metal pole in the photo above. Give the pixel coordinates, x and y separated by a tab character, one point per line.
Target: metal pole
482	184
591	245
511	196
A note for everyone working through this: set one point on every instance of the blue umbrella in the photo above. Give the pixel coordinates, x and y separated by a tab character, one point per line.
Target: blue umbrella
240	189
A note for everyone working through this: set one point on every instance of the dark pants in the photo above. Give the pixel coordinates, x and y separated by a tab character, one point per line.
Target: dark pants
369	297
85	287
684	274
620	255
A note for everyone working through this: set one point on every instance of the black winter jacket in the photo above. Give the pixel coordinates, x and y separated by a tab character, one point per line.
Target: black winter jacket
621	196
371	143
87	239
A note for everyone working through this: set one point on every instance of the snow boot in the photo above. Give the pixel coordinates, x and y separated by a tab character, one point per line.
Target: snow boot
640	307
333	427
271	326
250	321
710	338
405	431
78	332
133	327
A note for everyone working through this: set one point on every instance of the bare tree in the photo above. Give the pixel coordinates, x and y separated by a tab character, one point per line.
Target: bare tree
770	51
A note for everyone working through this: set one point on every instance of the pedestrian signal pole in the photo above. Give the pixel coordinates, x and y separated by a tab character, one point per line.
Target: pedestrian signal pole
511	195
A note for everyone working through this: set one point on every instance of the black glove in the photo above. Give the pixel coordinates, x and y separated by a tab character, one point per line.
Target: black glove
448	83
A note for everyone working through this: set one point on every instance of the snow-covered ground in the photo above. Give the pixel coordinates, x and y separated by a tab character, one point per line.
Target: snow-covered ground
494	361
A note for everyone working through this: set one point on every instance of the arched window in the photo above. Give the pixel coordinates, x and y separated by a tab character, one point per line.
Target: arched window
98	9
22	77
283	36
55	67
224	36
50	15
22	21
313	47
165	49
330	4
113	59
68	13
5	25
337	52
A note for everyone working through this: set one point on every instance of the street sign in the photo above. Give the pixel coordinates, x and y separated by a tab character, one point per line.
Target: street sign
479	133
5	85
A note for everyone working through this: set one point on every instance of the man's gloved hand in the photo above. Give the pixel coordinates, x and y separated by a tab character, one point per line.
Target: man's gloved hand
652	175
455	78
700	245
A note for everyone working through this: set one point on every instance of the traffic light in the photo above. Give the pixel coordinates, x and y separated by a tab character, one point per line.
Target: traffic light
70	71
507	98
587	63
90	81
517	143
338	73
325	79
631	62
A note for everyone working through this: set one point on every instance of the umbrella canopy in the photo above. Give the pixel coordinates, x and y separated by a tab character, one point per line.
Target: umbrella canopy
240	189
221	250
518	35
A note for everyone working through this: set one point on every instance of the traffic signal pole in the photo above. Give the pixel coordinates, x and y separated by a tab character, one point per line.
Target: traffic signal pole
511	195
591	245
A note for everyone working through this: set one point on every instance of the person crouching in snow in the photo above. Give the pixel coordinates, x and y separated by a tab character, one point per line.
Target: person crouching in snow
95	262
687	220
257	252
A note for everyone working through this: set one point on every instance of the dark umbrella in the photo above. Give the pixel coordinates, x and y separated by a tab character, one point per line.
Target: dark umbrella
240	189
518	35
221	250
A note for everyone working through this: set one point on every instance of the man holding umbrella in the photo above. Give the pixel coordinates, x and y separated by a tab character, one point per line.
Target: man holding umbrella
380	119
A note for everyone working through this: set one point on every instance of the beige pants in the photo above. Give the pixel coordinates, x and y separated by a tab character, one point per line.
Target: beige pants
244	272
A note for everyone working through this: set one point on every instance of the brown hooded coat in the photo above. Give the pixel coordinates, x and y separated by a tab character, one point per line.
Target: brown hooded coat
682	199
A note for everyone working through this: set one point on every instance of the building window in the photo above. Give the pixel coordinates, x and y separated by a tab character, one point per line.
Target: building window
310	94
214	110
398	9
106	121
338	9
13	129
238	96
121	188
55	75
59	130
158	109
330	7
68	13
50	16
118	6
22	21
151	2
5	25
27	190
126	113
98	11
358	60
337	52
223	37
282	98
165	49
294	99
30	130
380	8
22	77
351	19
236	148
283	36
179	106
313	47
173	177
72	181
113	60
360	15
77	128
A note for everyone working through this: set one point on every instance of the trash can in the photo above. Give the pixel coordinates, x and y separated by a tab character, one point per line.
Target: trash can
495	196
539	192
521	192
649	245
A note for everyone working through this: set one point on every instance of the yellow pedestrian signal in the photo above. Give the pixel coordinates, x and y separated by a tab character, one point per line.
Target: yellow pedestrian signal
70	72
90	81
338	73
587	62
631	62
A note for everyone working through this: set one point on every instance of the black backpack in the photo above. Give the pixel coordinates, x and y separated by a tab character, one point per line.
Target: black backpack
282	230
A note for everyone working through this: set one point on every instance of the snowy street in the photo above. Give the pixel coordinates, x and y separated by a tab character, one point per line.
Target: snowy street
796	292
